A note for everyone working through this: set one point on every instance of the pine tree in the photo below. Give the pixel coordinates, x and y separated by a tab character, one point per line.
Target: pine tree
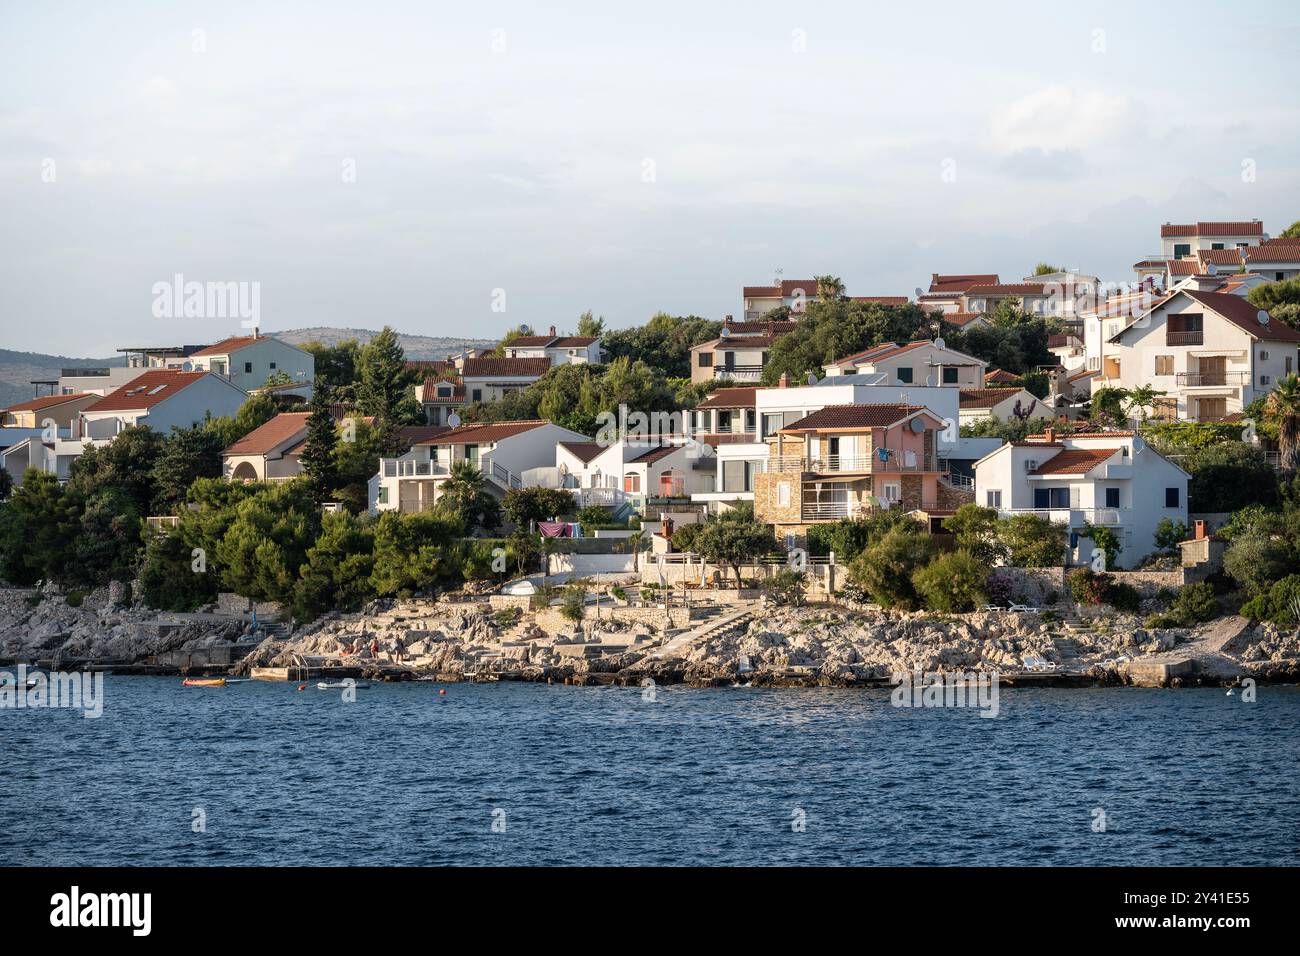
383	376
318	460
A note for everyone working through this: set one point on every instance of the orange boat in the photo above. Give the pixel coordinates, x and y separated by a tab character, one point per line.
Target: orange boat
204	682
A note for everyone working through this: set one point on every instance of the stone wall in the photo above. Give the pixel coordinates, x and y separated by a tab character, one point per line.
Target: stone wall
950	497
766	509
230	603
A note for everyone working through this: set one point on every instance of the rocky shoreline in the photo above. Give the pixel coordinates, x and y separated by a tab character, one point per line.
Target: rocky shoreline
828	645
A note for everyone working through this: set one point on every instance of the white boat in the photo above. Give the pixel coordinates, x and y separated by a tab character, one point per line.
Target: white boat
341	685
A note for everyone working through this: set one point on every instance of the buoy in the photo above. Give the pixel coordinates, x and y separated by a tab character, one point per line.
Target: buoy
302	686
442	692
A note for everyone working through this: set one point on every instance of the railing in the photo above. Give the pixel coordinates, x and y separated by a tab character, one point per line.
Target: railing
412	468
850	463
838	510
959	481
1203	379
502	475
1184	338
738	372
608	497
1071	516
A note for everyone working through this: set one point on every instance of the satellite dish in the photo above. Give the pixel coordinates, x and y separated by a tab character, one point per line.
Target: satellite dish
1138	444
453	420
812	378
1212	269
526	329
929	380
939	343
916	425
726	332
1262	316
919	293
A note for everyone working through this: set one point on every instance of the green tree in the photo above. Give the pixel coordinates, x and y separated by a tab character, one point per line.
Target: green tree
953	582
734	543
356	460
1227	477
589	325
885	569
336	368
337	573
125	463
1283	409
38	526
384	383
413	552
1107	407
975	530
465	495
168	579
1170	531
6	484
187	455
665	342
524	506
109	541
1280	299
829	288
267	542
1045	268
1142	399
1292	231
1032	541
1257	560
318	459
256	411
849	537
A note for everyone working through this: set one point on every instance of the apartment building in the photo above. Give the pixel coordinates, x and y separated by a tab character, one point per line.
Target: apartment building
946	292
1106	479
558	349
247	361
1211	353
490	378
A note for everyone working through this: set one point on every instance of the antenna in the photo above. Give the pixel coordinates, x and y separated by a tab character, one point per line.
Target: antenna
453	420
812	378
1262	316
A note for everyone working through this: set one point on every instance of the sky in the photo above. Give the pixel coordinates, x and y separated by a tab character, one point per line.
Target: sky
458	169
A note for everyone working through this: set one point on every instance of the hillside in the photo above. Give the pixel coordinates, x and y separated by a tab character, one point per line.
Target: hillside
415	346
19	369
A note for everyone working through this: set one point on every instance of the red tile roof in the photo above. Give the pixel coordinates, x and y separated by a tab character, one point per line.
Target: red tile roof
960	319
760	326
269	436
507	367
1273	253
146	391
1245	316
1074	461
999	375
791	286
1209	229
431	396
1008	288
960	283
654	454
48	401
1220	257
854	416
986	397
226	346
761	291
552	341
481	434
882	299
729	398
584	451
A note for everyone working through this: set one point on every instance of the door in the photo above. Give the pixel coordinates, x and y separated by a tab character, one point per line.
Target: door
1214	371
833	453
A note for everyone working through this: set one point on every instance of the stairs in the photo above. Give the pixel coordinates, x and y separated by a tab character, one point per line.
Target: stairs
721	626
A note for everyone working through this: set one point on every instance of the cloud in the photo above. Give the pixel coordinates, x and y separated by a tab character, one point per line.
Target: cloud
1044	164
1059	119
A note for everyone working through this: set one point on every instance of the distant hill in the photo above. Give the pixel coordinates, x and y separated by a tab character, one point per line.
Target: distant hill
19	369
415	346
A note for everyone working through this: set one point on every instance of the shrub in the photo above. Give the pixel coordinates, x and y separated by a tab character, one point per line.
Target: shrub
1280	604
1124	597
1032	541
1196	603
885	569
975	530
683	538
1168	533
593	517
953	582
785	587
1089	587
575	601
849	537
74	598
1256	560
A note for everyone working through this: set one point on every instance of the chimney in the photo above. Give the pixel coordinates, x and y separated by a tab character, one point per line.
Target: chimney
1050	434
784	382
552	331
726	320
1200	529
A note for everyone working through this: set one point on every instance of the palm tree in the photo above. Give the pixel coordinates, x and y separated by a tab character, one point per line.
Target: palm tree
1283	407
829	288
634	542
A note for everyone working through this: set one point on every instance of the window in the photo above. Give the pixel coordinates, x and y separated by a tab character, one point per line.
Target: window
1264	380
383	495
905	376
772	422
1049	498
950	376
477	395
1164	365
1182	249
1288	364
272	366
1171	497
706	360
762	359
1216	245
1263	355
993	498
1112	497
1165	410
893	492
783	494
632	484
248	368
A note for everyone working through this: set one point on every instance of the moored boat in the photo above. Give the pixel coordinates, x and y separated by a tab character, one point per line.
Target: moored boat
204	682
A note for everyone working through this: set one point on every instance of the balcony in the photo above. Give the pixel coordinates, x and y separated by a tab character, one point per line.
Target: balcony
412	468
839	510
1212	379
1185	338
738	373
851	464
1073	517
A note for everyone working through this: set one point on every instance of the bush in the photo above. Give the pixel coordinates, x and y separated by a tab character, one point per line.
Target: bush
1256	560
953	582
1032	541
1280	604
849	537
74	598
885	569
1124	597
1196	603
785	587
592	517
575	602
1089	587
975	531
683	538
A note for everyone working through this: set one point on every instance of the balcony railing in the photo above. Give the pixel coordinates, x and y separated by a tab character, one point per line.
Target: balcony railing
1185	338
831	464
1072	516
1205	379
838	510
738	372
412	468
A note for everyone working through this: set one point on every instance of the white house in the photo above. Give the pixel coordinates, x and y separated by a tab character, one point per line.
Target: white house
249	360
793	294
1068	294
914	363
1181	244
1276	259
509	455
1107	479
269	452
490	378
946	291
1002	404
558	349
1211	353
163	400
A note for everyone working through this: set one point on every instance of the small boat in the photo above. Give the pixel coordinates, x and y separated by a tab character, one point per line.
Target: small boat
341	685
204	682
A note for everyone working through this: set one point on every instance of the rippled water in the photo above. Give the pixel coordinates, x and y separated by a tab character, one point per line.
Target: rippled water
601	776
